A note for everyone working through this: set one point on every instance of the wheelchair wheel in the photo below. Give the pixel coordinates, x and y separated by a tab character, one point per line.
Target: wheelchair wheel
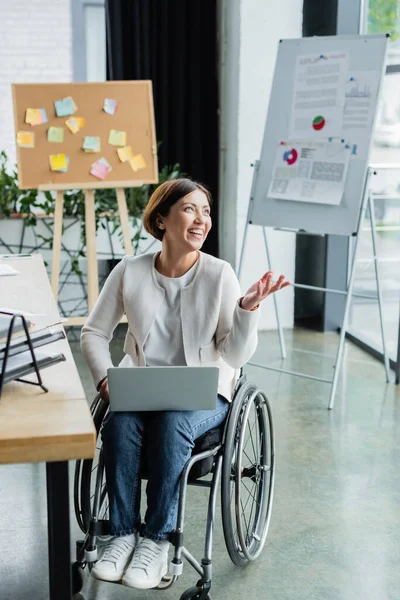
248	472
193	593
85	476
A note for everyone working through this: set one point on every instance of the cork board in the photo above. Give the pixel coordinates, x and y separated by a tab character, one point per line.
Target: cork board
134	115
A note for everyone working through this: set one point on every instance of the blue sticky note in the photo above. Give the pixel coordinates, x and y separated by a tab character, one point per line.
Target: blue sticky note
91	144
65	107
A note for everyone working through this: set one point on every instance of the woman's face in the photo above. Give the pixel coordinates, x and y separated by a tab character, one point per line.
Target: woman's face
188	222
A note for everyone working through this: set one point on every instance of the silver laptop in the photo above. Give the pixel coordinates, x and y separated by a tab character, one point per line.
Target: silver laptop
162	388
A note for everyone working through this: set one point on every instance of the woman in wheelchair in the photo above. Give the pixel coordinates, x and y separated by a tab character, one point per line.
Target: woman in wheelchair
183	307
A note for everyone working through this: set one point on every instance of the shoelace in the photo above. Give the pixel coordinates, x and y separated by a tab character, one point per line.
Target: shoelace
145	554
115	550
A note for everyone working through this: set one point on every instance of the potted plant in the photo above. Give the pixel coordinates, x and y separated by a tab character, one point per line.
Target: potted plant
30	206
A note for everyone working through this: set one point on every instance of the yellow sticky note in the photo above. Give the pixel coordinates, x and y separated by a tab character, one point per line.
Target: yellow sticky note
55	134
58	162
125	154
74	124
33	116
137	162
117	138
25	139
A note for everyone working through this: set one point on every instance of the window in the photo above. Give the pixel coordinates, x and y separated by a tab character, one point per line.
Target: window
89	40
383	16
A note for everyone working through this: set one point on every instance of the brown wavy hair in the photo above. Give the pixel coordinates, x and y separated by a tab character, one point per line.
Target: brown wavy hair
166	195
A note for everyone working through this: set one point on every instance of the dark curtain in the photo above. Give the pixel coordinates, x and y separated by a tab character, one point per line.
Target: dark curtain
174	43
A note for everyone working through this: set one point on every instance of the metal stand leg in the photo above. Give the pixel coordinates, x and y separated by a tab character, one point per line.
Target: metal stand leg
350	287
378	284
58	531
242	250
256	164
280	331
397	366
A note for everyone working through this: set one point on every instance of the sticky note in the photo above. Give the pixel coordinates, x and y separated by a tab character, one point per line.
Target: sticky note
100	168
58	162
105	162
35	116
125	154
43	115
110	106
25	139
137	162
66	168
65	106
91	144
55	134
75	124
117	138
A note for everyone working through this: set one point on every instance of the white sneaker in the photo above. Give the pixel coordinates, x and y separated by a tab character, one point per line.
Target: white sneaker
115	557
148	566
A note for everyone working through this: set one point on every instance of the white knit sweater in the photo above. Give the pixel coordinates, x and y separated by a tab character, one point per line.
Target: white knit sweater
215	330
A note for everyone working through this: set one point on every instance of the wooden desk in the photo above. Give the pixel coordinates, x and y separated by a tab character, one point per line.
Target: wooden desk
52	427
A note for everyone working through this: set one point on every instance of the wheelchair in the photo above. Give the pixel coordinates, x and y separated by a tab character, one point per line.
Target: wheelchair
239	455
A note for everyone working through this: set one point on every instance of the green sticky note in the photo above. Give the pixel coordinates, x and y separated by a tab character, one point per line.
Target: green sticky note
55	134
117	138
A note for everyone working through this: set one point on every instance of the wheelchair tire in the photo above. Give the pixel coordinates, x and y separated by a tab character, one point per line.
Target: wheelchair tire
193	593
77	578
85	472
246	477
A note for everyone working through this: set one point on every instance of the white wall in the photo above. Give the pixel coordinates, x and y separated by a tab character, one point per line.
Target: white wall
36	46
250	34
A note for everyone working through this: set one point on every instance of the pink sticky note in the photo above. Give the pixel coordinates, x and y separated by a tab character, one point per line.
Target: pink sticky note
99	170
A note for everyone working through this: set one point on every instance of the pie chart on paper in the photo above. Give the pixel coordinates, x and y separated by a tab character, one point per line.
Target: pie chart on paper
290	156
318	123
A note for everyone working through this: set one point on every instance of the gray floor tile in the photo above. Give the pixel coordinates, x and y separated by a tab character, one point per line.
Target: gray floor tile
335	527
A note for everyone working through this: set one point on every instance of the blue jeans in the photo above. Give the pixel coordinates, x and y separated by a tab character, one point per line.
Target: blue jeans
170	439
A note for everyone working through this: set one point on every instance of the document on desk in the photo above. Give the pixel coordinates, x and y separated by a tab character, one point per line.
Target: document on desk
38	337
22	364
5	321
7	270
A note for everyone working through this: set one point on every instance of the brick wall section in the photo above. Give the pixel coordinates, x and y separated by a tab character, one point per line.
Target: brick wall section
35	46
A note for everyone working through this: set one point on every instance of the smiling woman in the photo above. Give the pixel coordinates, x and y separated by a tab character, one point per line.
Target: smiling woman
183	307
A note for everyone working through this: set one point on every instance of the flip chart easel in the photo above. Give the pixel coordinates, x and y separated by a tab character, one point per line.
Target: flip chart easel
336	81
367	202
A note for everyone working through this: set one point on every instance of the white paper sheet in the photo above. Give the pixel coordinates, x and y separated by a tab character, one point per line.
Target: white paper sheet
318	97
361	92
6	270
310	172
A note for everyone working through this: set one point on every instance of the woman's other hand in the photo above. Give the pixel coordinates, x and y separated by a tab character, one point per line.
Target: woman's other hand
103	391
261	289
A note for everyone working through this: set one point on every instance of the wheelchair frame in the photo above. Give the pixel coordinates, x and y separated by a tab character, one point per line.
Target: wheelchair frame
227	465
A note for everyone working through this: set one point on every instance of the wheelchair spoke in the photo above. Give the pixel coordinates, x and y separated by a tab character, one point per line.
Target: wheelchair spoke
244	516
250	438
248	491
248	458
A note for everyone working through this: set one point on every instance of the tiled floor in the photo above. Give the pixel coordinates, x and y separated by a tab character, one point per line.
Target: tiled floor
335	527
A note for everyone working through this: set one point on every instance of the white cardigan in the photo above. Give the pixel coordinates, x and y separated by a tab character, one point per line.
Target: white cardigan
216	331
